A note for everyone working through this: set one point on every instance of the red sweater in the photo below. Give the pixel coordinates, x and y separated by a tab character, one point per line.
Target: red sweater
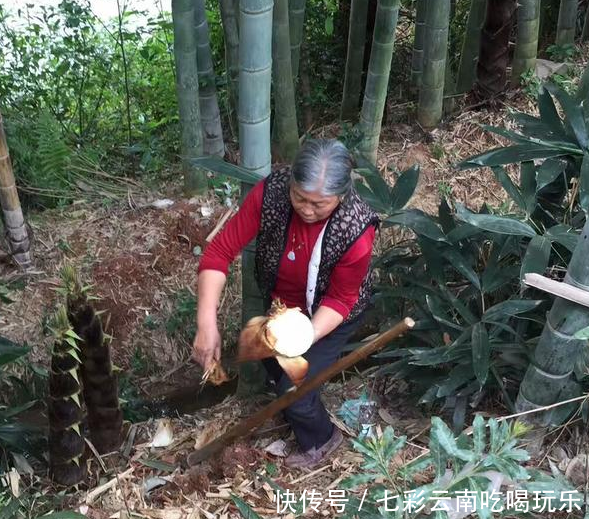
291	284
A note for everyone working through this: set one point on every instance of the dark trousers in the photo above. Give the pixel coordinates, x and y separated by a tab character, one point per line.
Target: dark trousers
307	416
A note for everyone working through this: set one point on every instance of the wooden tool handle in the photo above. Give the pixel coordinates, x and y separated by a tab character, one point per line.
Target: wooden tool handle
258	418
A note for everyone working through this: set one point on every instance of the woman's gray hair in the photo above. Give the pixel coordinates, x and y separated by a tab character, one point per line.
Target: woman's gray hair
323	165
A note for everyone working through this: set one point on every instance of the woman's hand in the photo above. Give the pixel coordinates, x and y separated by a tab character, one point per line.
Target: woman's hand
207	346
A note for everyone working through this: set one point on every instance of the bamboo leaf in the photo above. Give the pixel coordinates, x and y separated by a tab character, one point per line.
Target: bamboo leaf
10	351
404	188
509	308
584	184
511	189
438	313
548	172
481	352
419	222
528	184
370	198
548	112
217	165
244	509
445	217
443	436
517	153
478	434
378	186
573	113
537	256
493	223
563	234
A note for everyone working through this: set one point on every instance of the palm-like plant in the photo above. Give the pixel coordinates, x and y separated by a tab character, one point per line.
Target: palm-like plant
16	230
377	81
431	94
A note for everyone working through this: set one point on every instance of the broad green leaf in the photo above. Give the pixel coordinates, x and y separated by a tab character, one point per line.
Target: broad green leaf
404	188
508	134
434	266
511	189
478	435
573	113
445	217
563	234
157	464
584	184
458	376
548	172
379	187
528	184
517	153
509	308
439	314
548	112
244	509
534	128
493	223
583	334
370	198
458	261
443	436
418	222
217	165
481	352
537	256
66	514
10	351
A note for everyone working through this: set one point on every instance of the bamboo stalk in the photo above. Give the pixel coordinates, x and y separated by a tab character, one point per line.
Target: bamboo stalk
567	21
285	133
195	180
418	39
377	81
354	60
557	288
16	230
258	418
470	47
229	16
526	48
296	16
210	117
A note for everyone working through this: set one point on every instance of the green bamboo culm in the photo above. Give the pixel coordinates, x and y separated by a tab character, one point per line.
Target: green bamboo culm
354	60
467	69
377	80
229	18
431	94
209	106
549	377
526	48
255	79
417	56
296	21
195	180
285	134
585	34
567	20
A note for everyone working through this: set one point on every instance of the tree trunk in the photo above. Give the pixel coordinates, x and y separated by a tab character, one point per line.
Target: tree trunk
494	50
431	94
417	58
567	21
296	20
195	180
209	107
377	80
470	47
548	379
14	222
354	60
526	49
285	133
585	34
229	17
255	78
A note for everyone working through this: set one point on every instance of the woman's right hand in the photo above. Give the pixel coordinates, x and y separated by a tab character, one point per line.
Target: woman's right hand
207	346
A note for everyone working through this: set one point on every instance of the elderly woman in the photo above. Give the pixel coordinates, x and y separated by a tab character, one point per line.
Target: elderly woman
314	240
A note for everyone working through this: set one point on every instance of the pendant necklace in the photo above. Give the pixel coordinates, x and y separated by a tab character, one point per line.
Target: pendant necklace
291	255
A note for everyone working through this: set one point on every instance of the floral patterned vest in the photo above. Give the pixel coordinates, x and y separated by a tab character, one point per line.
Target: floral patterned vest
346	224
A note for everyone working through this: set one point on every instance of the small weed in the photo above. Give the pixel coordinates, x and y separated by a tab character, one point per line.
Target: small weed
444	189
562	52
182	321
151	323
437	151
64	246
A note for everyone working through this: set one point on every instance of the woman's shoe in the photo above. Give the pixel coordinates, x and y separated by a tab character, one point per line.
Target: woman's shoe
315	455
